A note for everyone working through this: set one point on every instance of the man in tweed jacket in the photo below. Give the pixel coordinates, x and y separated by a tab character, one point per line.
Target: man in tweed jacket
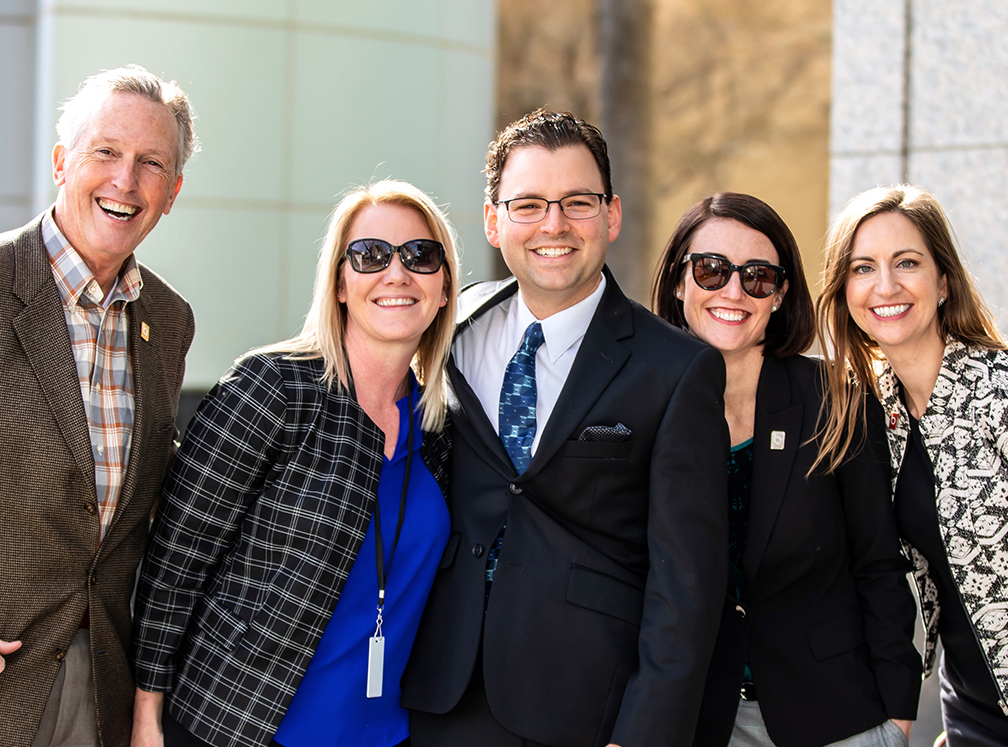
93	351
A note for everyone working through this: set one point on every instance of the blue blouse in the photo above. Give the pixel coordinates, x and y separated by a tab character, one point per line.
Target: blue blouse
330	706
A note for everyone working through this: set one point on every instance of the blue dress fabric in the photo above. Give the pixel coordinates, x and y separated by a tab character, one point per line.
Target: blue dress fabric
330	706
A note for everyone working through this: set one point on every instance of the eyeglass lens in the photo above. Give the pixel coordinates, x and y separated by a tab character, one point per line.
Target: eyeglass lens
423	256
758	280
534	209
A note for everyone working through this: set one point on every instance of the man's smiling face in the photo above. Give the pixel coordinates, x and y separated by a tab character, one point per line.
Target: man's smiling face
558	261
117	180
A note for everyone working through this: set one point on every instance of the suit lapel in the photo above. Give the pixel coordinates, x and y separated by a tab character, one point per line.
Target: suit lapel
147	371
42	331
772	467
472	423
599	359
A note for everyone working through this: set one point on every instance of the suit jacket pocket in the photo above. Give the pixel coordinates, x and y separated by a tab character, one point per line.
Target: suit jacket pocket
602	593
221	626
448	557
596	449
836	635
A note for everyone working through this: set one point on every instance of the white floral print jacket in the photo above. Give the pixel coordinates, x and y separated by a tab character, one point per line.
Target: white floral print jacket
965	432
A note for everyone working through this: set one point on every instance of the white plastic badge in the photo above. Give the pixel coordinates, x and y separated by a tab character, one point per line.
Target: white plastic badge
375	666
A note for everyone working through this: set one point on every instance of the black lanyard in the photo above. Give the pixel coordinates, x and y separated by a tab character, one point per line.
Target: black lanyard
383	571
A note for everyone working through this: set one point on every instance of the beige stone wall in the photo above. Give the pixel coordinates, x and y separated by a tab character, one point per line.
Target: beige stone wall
740	100
546	57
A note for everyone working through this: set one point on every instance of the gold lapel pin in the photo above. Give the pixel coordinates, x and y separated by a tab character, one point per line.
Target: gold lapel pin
145	331
776	440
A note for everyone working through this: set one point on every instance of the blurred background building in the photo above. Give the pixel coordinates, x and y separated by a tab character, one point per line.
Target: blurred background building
297	101
801	102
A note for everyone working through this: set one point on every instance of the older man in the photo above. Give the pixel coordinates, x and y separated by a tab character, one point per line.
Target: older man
93	349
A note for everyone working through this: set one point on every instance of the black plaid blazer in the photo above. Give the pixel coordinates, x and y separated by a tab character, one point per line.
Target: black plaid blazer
53	565
263	513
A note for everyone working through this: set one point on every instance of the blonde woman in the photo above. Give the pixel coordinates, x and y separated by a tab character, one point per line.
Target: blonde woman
306	506
904	319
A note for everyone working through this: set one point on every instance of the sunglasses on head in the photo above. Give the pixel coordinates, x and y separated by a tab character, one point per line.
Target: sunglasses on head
759	279
422	256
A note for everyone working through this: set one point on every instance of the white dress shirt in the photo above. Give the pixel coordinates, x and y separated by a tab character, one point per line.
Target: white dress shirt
483	351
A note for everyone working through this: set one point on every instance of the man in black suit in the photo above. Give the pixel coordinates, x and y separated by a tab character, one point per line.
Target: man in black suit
578	599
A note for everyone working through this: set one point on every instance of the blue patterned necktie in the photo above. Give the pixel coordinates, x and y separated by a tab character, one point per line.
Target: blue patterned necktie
516	421
517	409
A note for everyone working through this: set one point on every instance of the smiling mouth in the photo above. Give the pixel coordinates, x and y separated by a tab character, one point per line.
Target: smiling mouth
729	315
890	311
388	302
553	251
117	210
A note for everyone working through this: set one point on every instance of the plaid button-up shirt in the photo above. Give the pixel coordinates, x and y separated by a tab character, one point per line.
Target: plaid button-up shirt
99	330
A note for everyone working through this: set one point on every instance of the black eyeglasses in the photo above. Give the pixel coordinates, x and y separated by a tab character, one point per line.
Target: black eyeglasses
759	279
422	256
535	209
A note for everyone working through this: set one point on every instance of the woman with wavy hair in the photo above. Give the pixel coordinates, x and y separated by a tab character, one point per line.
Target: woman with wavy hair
306	507
903	318
815	645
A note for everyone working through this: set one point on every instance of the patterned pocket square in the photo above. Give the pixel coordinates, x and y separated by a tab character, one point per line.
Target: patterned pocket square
612	434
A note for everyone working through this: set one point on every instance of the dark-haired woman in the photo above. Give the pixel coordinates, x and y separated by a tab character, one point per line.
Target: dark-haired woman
897	292
815	644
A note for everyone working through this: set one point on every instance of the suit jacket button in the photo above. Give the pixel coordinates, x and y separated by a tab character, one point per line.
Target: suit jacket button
516	489
90	508
477	550
740	610
60	655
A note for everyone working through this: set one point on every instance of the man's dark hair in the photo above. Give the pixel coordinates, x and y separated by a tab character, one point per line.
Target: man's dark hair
550	130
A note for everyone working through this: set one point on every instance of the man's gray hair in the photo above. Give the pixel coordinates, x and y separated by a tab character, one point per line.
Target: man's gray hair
78	110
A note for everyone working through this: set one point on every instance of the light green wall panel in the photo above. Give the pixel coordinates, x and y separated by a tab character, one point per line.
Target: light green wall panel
297	102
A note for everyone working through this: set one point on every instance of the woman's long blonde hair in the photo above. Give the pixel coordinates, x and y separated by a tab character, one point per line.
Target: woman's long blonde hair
324	330
964	316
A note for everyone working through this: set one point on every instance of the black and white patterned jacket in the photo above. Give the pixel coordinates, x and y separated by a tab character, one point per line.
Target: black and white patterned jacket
965	432
263	513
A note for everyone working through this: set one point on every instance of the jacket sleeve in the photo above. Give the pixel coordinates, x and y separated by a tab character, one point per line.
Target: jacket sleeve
880	570
688	554
227	454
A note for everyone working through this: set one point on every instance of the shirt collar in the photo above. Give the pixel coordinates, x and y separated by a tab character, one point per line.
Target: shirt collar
564	328
73	277
413	387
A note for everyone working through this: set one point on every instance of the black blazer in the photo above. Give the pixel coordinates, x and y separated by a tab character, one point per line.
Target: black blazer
826	613
609	583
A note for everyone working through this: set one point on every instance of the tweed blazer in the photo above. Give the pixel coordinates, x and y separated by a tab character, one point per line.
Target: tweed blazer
54	567
263	514
965	433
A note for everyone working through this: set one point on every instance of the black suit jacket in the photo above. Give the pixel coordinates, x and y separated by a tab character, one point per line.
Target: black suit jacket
609	583
826	614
